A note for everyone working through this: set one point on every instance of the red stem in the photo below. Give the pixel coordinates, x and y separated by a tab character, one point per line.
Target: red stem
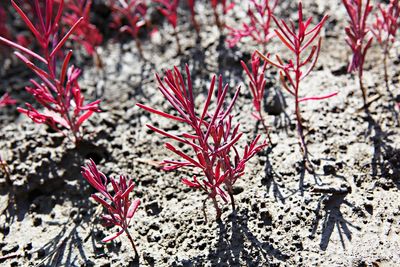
363	91
131	241
217	19
260	114
385	55
218	210
297	107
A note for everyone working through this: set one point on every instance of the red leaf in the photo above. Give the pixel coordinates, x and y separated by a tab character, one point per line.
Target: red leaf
112	236
132	209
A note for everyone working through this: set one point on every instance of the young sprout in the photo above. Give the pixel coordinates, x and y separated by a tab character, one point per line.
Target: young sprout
169	8
120	209
215	4
260	14
257	86
196	25
58	90
212	137
6	100
385	30
135	12
298	40
358	38
86	33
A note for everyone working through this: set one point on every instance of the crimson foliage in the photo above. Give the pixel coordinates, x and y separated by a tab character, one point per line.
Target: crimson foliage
212	137
57	90
120	209
298	40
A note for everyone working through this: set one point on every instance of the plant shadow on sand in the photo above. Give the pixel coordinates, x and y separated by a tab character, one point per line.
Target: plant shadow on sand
329	203
41	201
385	161
59	249
333	217
236	242
61	246
270	178
82	229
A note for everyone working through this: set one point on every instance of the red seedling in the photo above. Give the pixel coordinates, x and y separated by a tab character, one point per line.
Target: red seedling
86	33
294	70
260	14
196	26
6	100
212	137
358	37
134	11
257	86
169	8
3	23
385	29
58	90
225	8
120	209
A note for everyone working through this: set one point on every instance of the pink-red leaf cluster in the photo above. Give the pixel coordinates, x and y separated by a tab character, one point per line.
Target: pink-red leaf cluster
386	24
260	14
212	136
57	90
225	8
116	201
6	100
257	82
298	40
134	11
357	32
169	8
191	4
224	5
86	33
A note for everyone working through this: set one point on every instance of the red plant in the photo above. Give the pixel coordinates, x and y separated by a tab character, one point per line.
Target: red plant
86	33
58	86
260	13
257	87
169	8
196	26
212	137
6	100
119	208
225	8
357	32
3	23
296	69
134	11
385	29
